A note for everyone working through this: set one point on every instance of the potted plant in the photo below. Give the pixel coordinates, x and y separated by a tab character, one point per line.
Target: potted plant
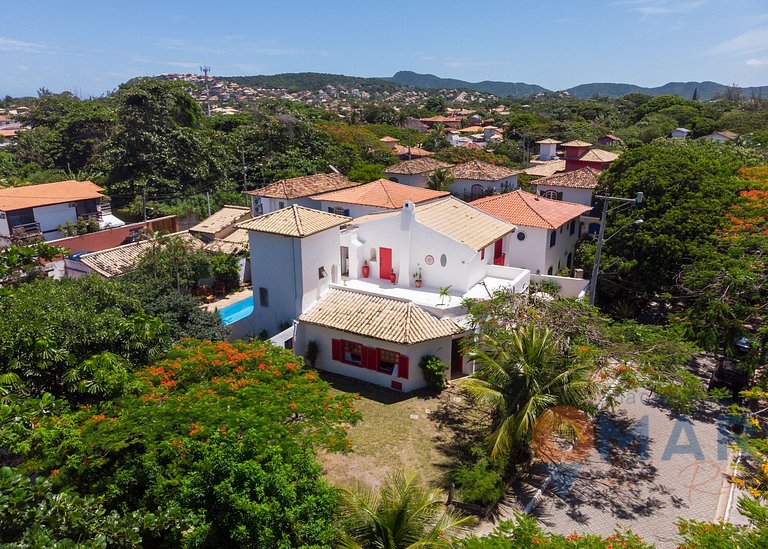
366	269
417	278
392	277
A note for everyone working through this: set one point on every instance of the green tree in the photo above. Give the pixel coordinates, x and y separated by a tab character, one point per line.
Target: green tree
440	180
522	375
402	515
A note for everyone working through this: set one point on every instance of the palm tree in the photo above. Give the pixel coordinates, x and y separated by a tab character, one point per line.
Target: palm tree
440	180
523	374
402	515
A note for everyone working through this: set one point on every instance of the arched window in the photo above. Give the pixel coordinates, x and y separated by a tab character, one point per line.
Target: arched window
477	191
549	271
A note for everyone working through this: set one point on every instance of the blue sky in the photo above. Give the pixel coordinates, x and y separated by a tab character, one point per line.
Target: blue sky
91	47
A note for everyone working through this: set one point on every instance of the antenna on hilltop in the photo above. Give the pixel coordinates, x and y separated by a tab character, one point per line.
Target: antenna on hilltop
206	69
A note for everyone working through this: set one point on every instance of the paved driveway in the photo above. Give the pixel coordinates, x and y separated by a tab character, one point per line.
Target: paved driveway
647	468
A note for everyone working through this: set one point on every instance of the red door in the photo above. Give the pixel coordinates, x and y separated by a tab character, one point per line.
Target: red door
385	262
498	255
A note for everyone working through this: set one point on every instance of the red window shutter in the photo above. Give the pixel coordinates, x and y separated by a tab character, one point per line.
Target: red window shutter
402	366
482	253
372	362
336	349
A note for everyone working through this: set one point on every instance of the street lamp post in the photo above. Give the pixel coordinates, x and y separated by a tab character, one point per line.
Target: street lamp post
621	203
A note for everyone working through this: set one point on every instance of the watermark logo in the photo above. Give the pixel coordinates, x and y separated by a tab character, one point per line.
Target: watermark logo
563	434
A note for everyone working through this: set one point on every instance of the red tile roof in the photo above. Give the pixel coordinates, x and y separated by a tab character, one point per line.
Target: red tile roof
298	187
477	170
47	194
381	193
597	155
529	210
417	166
577	143
583	178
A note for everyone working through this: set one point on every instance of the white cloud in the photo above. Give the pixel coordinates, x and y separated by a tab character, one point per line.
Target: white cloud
11	45
755	62
749	42
23	68
661	7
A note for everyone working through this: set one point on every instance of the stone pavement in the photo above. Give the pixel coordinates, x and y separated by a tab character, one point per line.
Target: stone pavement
648	467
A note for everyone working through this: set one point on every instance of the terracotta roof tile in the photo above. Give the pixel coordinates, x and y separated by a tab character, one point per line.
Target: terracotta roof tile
388	139
230	244
122	259
549	142
455	219
381	193
295	221
415	152
477	170
577	143
377	317
298	187
597	155
529	210
546	168
583	178
228	215
424	166
45	194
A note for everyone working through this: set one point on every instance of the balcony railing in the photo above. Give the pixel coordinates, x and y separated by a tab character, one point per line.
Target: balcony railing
27	230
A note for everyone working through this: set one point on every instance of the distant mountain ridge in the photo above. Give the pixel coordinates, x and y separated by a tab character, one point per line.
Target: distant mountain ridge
706	89
302	81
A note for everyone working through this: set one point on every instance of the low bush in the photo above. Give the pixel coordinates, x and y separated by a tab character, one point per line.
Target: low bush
434	372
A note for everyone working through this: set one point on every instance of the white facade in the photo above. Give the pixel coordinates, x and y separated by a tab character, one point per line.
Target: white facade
464	186
350	210
547	151
680	133
569	194
324	336
286	275
261	205
414	180
533	251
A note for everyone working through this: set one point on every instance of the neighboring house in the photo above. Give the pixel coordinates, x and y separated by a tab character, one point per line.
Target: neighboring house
447	122
547	230
414	172
297	190
39	210
118	261
545	169
680	133
477	178
609	139
548	149
373	197
348	285
577	187
722	137
221	224
403	152
578	155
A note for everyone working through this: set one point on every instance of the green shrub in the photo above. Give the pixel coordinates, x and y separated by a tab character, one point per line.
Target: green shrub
434	372
481	483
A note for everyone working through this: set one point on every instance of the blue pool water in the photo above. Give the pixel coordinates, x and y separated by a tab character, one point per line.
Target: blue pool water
236	311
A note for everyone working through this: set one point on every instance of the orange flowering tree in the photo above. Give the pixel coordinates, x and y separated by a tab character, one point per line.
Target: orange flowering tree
251	405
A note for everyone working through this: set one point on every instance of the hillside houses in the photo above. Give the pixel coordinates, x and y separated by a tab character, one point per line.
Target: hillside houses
296	190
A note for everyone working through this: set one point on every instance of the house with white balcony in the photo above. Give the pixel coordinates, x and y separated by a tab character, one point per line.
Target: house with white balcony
41	210
376	196
477	178
414	172
296	190
547	230
378	292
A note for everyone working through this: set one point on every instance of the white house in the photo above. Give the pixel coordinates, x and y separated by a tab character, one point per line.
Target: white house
39	210
477	178
577	187
548	230
297	190
379	292
294	256
414	172
721	137
373	197
548	149
680	133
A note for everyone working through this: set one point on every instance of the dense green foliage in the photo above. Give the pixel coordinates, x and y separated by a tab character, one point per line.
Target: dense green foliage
433	370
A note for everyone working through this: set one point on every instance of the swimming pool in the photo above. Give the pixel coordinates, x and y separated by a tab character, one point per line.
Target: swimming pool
236	311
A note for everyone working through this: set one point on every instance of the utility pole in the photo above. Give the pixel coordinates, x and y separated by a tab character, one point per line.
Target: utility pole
206	69
208	199
245	176
144	201
600	236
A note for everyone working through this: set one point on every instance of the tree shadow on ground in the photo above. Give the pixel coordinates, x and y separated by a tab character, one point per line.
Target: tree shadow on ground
461	425
618	477
369	390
